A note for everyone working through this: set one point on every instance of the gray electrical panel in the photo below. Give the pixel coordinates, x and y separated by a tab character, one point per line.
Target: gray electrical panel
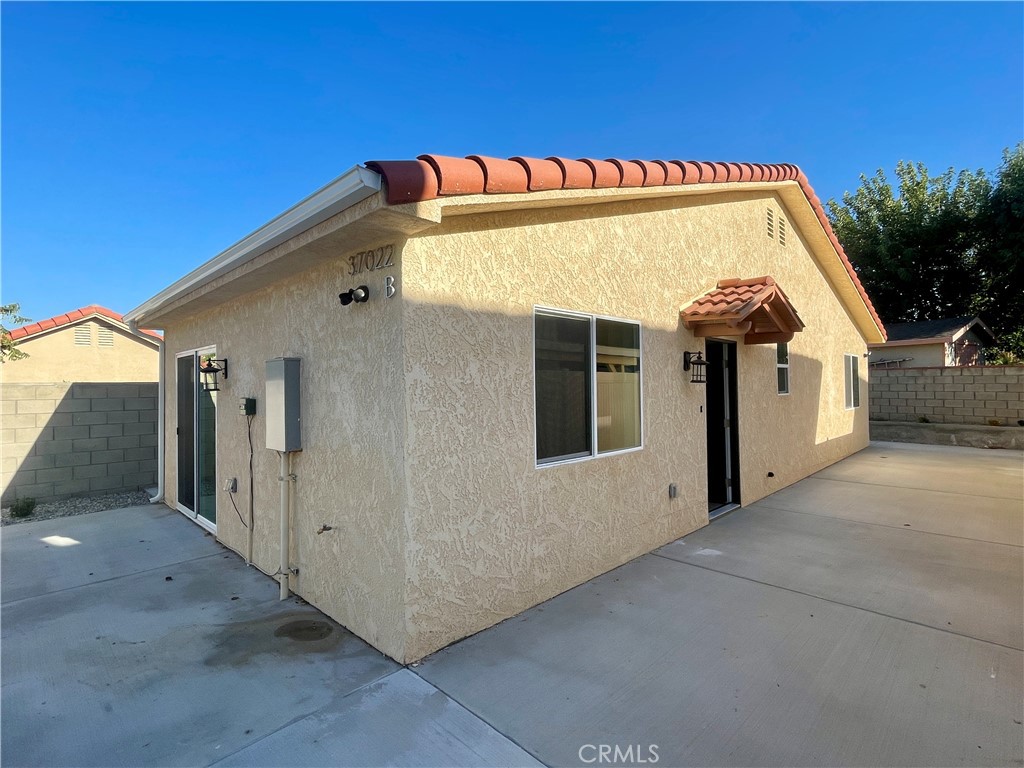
282	405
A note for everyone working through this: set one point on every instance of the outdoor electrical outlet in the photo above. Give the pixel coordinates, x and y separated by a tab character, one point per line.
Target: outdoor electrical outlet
231	484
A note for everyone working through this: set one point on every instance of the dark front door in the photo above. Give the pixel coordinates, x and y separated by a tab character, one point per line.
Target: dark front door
723	432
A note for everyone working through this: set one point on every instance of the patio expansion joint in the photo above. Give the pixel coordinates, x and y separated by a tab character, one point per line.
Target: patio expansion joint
838	602
301	717
912	488
479	717
112	578
761	503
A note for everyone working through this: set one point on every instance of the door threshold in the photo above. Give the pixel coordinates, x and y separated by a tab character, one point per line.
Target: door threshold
202	522
718	512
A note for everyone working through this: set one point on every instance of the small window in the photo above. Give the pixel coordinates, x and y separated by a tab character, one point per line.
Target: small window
105	337
587	385
782	231
852	366
782	367
83	335
771	223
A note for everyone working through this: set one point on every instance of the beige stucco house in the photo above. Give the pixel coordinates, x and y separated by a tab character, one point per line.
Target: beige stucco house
954	341
79	412
499	386
88	344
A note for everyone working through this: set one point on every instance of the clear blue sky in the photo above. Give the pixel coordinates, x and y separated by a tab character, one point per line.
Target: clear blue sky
140	139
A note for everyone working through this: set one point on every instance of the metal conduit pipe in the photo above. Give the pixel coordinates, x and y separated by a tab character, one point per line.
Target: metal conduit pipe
286	480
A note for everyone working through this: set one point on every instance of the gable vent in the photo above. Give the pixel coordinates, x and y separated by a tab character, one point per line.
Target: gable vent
106	337
83	335
782	231
771	223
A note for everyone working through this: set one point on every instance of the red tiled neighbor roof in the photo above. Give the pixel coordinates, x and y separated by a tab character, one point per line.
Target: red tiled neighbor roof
72	317
432	176
755	308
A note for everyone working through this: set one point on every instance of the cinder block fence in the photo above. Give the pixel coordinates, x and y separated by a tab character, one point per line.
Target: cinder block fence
66	439
975	395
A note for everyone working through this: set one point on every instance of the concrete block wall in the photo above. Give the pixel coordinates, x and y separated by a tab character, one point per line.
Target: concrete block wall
70	439
968	395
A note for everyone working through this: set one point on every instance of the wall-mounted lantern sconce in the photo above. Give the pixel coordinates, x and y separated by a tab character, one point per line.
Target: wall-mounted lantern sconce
211	369
357	295
695	361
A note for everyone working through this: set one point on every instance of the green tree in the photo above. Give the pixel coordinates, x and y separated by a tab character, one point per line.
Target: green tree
940	246
1000	298
914	251
9	313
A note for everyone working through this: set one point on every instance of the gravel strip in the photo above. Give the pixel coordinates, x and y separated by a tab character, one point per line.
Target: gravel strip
78	505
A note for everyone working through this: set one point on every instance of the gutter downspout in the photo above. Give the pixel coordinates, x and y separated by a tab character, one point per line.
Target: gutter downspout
160	416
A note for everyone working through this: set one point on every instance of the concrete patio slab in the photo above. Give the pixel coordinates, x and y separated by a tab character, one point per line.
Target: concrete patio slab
399	720
982	518
178	654
808	629
894	571
968	471
717	670
50	555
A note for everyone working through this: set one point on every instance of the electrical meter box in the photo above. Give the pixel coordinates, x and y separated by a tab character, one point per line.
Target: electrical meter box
281	407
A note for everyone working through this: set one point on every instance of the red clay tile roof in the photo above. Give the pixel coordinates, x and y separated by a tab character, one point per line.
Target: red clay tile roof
432	176
72	317
752	307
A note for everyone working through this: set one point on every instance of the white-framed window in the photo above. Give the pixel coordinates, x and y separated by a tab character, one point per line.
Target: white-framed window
587	394
782	367
851	366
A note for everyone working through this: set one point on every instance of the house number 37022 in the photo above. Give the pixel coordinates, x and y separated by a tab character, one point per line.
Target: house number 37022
369	261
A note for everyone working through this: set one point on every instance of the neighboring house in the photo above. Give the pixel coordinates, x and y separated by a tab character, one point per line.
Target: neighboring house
933	344
494	405
88	344
79	413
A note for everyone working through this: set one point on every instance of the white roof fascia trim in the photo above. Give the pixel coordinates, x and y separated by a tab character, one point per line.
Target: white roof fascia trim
353	186
970	327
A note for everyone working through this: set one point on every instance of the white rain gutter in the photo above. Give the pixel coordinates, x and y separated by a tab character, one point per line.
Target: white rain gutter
160	388
351	187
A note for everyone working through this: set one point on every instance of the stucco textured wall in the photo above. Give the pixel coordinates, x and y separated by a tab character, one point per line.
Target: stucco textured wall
418	410
491	534
350	471
922	355
54	357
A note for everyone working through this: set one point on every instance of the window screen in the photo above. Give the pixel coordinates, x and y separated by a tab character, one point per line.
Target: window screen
562	366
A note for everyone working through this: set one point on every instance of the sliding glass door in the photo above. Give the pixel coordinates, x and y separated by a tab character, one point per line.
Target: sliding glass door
197	441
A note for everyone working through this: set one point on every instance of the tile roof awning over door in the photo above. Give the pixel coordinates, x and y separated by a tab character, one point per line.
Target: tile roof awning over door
755	308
